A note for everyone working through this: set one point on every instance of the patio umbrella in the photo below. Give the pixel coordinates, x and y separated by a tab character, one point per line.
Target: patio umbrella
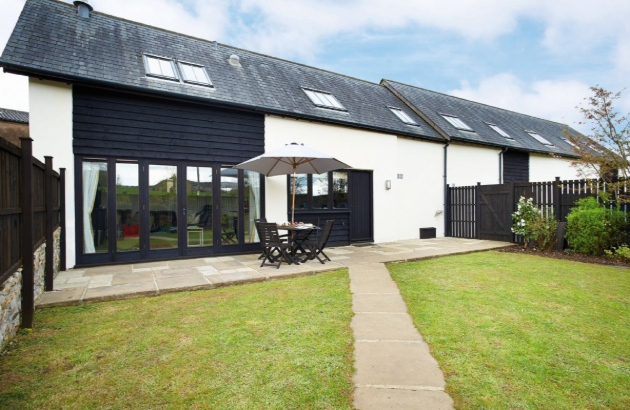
293	159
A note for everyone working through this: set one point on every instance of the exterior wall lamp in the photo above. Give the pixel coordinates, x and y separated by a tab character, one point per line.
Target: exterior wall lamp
388	184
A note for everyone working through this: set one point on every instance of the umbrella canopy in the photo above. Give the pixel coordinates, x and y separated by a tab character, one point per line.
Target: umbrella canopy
293	159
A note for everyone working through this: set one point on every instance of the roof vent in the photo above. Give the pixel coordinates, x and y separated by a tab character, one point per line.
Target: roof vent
83	8
234	60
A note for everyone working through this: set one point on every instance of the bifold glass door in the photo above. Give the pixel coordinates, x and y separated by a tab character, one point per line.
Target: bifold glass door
164	209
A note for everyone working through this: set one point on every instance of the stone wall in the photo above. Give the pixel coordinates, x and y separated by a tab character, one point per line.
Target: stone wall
11	290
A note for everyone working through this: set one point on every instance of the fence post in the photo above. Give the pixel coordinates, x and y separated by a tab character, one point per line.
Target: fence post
477	209
26	203
62	218
50	226
557	200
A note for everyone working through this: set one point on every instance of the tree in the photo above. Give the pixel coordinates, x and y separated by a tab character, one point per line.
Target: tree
604	153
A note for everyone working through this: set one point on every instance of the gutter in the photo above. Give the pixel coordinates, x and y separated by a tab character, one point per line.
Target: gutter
73	79
444	206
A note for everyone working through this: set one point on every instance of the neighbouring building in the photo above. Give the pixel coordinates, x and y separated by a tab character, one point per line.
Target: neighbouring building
13	125
148	124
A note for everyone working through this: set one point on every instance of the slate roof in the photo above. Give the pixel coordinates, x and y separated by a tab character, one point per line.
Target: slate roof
13	116
477	116
51	40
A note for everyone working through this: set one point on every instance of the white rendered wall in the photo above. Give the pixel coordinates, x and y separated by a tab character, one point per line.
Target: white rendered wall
543	168
398	212
420	194
468	165
50	124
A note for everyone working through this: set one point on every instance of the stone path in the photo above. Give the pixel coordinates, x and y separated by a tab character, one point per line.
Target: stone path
394	368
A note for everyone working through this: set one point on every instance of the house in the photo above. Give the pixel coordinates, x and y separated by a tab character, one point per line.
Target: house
13	125
148	124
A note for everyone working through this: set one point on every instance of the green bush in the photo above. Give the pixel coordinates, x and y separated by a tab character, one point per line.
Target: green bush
534	224
621	253
592	228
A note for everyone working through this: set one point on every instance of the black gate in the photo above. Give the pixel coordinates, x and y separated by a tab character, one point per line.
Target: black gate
361	206
494	212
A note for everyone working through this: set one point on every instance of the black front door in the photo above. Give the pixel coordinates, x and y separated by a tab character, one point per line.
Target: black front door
361	206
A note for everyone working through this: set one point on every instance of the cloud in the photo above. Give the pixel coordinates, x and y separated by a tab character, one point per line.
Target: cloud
551	100
13	92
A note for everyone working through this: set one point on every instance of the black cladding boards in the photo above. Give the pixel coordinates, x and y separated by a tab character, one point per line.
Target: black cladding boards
115	124
515	166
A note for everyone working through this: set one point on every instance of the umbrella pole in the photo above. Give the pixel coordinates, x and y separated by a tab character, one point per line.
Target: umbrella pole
293	204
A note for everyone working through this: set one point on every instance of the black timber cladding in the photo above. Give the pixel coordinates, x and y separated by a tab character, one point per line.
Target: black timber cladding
50	40
515	166
107	123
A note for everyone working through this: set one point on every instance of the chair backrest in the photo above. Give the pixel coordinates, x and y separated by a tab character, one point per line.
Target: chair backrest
268	233
323	240
264	220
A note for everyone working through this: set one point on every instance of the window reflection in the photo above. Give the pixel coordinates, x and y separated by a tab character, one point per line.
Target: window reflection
252	205
162	206
340	190
301	191
229	206
127	208
320	191
199	206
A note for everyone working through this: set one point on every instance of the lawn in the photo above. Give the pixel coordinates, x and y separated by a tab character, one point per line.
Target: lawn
273	345
524	332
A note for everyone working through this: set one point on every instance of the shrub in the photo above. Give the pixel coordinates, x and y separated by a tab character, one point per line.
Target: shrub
621	253
592	228
534	225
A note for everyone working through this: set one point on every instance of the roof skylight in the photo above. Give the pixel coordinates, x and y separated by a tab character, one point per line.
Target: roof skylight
194	73
324	99
456	122
540	139
499	131
569	142
160	67
402	116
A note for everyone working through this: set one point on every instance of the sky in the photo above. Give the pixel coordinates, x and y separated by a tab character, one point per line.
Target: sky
538	57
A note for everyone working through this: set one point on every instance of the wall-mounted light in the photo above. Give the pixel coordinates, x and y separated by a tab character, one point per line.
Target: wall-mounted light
388	184
400	176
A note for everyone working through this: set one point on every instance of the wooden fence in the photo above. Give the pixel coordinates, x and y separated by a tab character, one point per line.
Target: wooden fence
31	209
463	216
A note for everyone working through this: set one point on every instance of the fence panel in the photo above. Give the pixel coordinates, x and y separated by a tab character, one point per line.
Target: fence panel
461	212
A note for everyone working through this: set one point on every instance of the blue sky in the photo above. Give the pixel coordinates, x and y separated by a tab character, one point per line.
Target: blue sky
533	56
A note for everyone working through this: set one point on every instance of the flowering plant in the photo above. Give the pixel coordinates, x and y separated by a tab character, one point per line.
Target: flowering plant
534	224
526	212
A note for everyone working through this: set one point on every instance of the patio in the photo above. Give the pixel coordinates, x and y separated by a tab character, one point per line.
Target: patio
112	282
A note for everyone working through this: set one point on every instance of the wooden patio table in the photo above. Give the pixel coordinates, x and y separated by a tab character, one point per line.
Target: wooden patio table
297	235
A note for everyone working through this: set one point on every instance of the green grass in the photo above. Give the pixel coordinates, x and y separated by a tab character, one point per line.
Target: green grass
273	345
524	332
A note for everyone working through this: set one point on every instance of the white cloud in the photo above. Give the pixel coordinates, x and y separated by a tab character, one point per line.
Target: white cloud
551	100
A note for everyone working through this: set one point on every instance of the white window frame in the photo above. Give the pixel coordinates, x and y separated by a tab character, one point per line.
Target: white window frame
540	138
456	122
185	78
148	72
499	131
403	116
323	99
569	142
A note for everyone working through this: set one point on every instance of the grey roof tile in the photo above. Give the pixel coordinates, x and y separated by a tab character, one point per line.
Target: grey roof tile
50	38
478	115
13	116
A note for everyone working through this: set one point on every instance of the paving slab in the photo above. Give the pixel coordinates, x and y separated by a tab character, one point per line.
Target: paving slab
384	303
401	399
169	273
132	278
120	291
62	297
186	263
374	326
237	277
396	364
189	282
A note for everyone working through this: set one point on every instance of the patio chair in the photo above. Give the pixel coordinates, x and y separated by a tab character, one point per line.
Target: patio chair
315	248
271	243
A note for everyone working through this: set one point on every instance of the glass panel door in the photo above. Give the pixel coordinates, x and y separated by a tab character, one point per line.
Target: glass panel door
199	206
251	205
127	207
95	238
229	207
163	207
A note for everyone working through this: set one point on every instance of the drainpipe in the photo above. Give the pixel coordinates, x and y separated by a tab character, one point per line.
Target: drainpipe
503	151
446	230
